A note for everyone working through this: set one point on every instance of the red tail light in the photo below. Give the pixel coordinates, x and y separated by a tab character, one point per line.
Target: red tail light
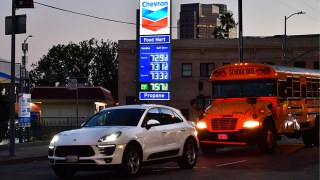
223	74
266	70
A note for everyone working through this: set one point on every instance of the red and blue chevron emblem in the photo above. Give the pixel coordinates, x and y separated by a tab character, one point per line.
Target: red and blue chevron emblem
155	20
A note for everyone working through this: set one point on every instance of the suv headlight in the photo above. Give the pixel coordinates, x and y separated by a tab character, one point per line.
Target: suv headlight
110	137
54	139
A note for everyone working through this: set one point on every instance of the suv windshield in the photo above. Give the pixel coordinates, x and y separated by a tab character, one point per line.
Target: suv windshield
116	117
244	88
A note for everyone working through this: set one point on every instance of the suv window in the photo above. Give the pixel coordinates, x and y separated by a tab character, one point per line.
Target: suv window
116	117
177	118
152	114
169	117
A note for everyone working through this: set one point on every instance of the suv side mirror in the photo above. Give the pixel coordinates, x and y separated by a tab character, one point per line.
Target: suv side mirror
82	124
152	122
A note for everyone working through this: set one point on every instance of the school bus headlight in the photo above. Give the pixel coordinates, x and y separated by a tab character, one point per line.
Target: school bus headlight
251	124
201	125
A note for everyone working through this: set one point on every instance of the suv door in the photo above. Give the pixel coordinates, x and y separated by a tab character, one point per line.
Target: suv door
172	129
153	137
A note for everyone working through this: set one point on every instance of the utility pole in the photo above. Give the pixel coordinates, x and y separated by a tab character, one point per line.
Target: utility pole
15	4
12	81
240	31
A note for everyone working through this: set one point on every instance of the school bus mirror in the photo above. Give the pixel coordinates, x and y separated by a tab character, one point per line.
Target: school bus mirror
251	100
283	95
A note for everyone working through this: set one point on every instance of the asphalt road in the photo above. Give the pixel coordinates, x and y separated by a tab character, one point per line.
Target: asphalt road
291	160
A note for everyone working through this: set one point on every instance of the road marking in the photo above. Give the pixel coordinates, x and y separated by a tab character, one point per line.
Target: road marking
230	163
306	149
223	149
291	140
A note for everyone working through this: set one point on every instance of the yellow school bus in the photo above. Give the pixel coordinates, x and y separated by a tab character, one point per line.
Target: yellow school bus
257	104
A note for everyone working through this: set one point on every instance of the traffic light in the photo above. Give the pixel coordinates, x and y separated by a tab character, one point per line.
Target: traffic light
24	4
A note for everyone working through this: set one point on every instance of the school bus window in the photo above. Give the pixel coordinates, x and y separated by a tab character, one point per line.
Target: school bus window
296	87
244	88
289	86
309	89
318	82
315	88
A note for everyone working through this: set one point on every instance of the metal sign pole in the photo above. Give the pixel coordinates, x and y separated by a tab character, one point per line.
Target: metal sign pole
12	82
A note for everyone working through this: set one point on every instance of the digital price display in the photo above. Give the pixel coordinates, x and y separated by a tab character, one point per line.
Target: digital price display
154	87
155	63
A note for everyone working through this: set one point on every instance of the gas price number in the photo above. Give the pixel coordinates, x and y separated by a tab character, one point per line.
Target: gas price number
159	75
154	87
159	66
159	57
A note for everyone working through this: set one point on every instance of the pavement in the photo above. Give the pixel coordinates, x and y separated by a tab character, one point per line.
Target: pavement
24	152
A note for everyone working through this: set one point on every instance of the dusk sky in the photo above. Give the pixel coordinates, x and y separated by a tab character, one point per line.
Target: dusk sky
52	27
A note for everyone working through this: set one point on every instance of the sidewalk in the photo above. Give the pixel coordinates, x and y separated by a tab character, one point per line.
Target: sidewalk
24	152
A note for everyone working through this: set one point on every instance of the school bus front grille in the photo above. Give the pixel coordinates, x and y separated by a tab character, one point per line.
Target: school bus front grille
224	123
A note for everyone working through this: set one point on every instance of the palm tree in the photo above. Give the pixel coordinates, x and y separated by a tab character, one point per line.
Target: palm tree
227	23
218	32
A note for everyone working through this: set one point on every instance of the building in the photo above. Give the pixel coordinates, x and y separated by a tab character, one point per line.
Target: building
192	61
5	72
198	21
60	108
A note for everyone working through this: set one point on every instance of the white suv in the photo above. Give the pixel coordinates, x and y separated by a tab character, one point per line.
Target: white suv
125	138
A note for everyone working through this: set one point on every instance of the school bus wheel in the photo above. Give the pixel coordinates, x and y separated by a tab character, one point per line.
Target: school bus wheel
269	138
307	137
316	130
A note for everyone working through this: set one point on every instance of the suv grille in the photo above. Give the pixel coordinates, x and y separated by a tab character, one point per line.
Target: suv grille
224	123
81	151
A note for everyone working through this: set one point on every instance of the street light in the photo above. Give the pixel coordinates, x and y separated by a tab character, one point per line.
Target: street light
285	35
24	59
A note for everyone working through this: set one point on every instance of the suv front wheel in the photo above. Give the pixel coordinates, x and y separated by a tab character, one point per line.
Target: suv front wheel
190	153
131	161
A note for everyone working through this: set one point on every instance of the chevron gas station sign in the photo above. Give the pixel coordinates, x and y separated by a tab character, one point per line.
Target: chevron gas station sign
154	50
155	17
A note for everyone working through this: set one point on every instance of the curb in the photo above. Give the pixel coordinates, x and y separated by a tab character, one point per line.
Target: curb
28	156
14	160
38	143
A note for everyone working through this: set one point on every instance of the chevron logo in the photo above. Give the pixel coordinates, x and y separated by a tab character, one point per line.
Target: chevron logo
154	20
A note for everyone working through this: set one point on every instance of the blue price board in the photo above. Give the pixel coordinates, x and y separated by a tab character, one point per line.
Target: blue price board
155	63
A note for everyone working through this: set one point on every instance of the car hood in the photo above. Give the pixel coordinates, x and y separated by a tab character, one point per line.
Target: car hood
86	135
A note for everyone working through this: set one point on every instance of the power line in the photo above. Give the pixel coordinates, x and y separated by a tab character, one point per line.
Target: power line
284	4
82	14
310	6
91	16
